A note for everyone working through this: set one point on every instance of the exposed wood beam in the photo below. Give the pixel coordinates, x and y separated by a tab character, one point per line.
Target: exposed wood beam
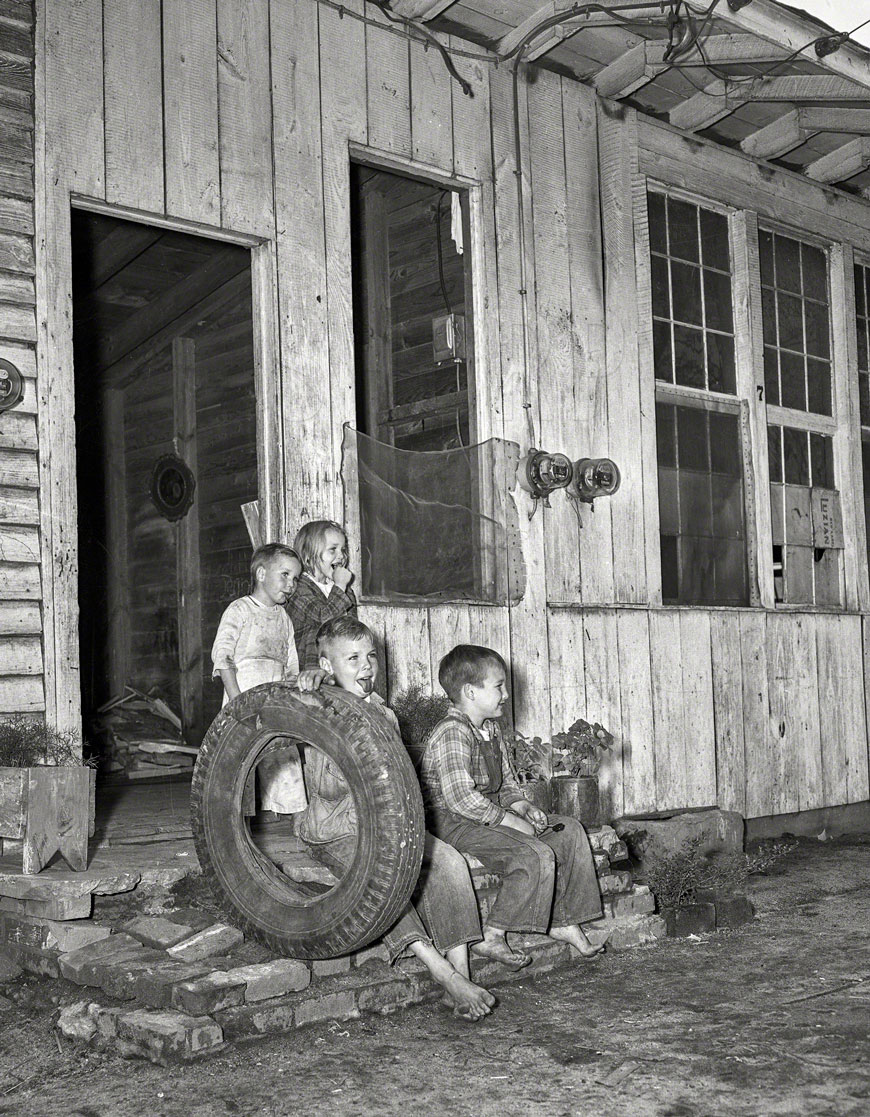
849	159
796	127
794	30
420	9
645	61
171	305
555	35
720	98
124	371
118	249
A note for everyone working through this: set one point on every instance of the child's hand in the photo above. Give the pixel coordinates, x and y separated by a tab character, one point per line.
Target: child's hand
516	823
311	679
532	814
342	577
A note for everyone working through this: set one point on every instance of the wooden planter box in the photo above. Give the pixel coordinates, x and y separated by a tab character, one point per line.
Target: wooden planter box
52	810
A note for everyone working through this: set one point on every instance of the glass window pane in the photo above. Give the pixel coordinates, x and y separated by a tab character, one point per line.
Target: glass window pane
815	265
788	269
661	299
768	316
692	439
696	508
727	495
720	363
774	452
655	207
725	444
730	572
860	300
715	252
689	357
717	301
669	501
862	345
670	569
819	385
666	436
818	330
822	457
796	459
662	352
791	371
771	375
864	398
686	290
790	319
683	230
765	256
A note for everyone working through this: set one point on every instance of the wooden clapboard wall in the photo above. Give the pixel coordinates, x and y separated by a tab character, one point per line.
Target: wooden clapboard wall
239	115
21	665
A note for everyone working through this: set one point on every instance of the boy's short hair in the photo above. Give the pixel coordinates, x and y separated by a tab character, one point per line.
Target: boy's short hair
345	627
309	541
466	663
267	553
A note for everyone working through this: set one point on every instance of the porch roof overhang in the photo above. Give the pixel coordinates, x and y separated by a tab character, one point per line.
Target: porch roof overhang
756	75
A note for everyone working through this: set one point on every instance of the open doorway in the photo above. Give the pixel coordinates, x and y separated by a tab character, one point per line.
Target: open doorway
166	448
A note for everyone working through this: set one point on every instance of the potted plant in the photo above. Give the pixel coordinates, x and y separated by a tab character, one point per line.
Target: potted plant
46	794
567	766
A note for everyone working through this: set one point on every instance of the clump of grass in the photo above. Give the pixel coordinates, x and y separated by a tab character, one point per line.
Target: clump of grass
418	713
677	879
31	744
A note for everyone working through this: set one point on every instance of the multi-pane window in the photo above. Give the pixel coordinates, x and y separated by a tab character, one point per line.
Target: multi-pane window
701	503
698	422
862	324
693	325
805	508
797	331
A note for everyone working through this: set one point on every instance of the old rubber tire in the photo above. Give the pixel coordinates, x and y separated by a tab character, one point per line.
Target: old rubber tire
376	887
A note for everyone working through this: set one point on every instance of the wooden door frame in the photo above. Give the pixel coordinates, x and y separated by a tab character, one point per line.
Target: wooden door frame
56	419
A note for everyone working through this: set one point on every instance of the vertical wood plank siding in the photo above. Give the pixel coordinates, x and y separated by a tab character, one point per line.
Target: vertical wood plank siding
239	115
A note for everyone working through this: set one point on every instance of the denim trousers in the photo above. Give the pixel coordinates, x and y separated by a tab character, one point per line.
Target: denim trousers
443	908
546	881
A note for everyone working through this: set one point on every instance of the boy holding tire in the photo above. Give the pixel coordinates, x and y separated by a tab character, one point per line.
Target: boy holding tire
442	917
548	876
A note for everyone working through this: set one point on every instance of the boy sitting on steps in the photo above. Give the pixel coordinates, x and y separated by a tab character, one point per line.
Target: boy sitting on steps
548	873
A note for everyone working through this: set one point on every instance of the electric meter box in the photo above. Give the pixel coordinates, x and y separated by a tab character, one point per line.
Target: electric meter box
448	338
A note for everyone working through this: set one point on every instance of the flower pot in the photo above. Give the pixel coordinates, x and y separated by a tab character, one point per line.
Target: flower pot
538	792
577	797
51	809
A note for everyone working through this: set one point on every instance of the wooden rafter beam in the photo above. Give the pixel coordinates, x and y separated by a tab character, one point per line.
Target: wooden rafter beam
555	35
796	127
420	9
844	161
172	305
119	248
645	61
720	98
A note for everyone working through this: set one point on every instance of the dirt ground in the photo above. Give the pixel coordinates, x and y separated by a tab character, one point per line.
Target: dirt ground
770	1019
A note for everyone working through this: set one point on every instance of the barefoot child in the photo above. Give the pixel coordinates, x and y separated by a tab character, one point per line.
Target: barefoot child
254	644
323	591
442	919
548	876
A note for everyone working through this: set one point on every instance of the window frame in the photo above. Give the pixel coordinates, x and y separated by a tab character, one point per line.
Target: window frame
843	425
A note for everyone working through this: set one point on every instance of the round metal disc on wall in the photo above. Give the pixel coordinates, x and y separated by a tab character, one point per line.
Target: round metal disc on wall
172	487
11	385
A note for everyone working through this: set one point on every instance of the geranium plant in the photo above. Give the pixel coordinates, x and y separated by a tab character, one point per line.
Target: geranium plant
575	752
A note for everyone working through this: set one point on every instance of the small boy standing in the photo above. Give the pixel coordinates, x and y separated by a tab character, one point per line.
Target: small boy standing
548	874
254	644
442	918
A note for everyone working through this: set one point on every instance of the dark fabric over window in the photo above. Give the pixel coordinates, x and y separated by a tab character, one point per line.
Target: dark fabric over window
437	525
701	506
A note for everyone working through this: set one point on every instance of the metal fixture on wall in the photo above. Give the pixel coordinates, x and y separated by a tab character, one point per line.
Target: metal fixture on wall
11	386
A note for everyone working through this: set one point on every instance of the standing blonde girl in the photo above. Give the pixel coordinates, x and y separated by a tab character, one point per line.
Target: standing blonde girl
323	591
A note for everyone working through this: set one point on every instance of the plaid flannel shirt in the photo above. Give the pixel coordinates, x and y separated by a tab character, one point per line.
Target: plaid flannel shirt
454	772
308	609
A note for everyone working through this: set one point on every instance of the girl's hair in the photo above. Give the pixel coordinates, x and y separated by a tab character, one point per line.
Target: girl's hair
266	554
310	539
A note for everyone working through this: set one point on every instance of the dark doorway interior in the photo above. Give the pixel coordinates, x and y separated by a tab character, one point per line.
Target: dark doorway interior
164	372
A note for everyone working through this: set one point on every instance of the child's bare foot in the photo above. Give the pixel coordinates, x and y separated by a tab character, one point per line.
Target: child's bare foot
575	936
495	947
468	1001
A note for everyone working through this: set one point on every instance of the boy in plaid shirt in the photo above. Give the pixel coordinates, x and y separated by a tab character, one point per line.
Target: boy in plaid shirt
323	591
548	875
